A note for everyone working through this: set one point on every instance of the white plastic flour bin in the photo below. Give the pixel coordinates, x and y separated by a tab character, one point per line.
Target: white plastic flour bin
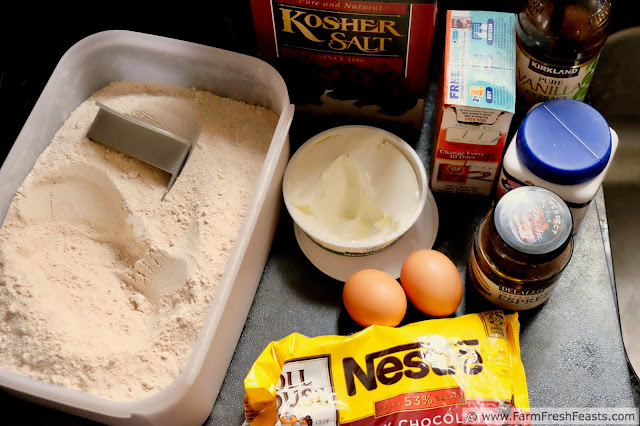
88	66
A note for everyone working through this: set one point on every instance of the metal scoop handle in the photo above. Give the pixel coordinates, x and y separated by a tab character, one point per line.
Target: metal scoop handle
147	143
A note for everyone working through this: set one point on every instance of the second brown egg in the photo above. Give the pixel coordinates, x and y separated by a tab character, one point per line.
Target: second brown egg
432	282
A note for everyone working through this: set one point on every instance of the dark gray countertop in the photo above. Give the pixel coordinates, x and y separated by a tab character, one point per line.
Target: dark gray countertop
571	347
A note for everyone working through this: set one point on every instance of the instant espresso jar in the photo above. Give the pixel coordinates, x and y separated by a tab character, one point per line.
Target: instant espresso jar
521	247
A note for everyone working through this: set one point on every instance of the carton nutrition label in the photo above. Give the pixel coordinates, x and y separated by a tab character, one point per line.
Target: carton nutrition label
481	60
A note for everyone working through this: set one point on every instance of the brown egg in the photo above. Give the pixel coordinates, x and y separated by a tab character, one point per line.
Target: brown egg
432	282
374	297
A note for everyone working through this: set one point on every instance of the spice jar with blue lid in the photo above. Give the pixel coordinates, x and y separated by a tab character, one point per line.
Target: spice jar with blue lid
565	146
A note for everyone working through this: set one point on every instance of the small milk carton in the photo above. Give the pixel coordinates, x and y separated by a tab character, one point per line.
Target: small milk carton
476	101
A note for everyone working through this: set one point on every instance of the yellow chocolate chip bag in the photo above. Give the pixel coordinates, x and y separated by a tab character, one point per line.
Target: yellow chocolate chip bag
440	371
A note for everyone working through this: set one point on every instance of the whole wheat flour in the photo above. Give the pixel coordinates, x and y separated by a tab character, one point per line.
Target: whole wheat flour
103	286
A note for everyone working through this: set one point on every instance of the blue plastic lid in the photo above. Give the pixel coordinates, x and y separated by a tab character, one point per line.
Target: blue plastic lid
564	141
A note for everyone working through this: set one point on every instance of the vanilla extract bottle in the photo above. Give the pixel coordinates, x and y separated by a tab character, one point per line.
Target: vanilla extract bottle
558	43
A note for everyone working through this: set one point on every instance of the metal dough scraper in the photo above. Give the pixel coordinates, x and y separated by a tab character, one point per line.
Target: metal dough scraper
152	145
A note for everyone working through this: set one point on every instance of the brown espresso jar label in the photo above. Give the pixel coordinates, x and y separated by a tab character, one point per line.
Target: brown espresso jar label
504	296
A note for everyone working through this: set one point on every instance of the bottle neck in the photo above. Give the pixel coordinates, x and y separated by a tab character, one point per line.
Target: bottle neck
561	33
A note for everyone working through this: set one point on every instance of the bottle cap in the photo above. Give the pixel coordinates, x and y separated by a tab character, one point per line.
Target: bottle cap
564	141
534	221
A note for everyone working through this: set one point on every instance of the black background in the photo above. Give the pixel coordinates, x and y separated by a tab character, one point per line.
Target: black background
33	41
30	46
